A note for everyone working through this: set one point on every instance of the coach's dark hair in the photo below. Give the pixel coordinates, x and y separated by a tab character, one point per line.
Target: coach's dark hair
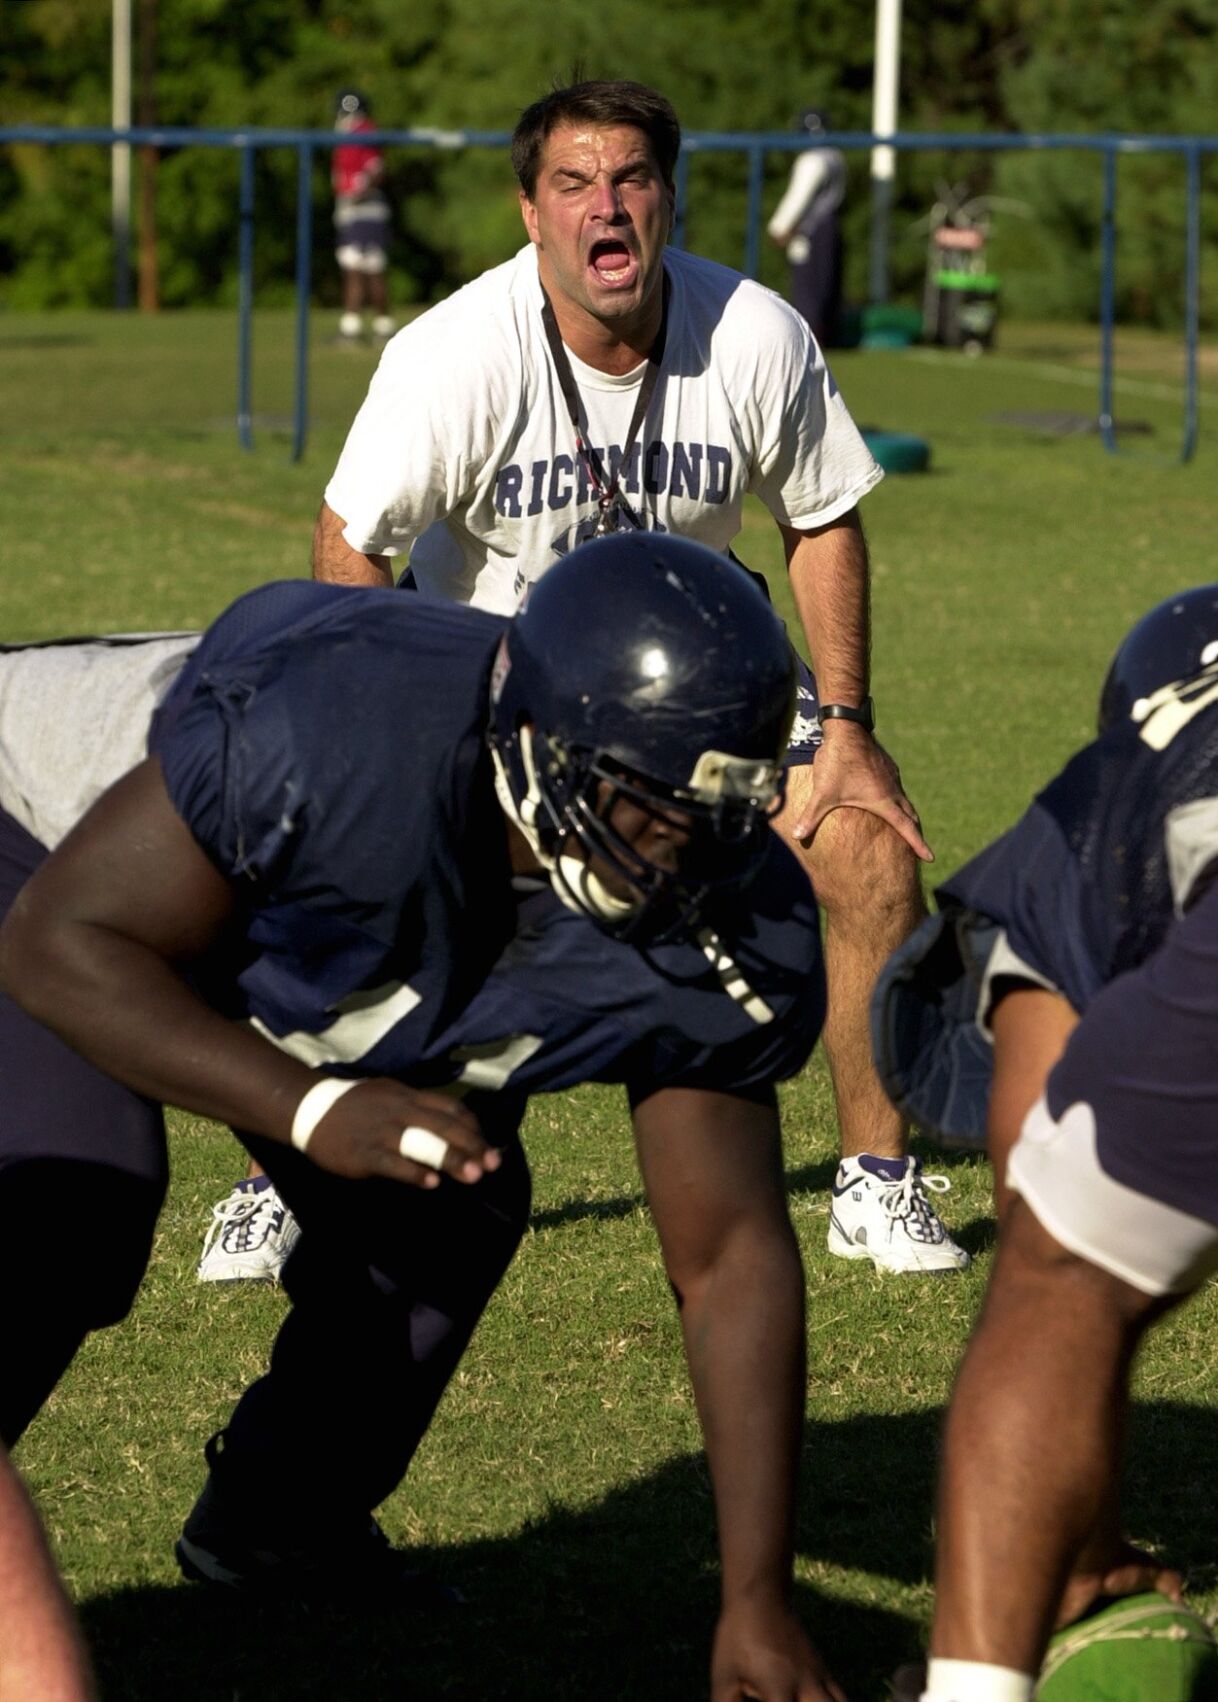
596	103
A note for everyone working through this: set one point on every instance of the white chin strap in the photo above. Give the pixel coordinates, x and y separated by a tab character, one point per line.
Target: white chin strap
579	888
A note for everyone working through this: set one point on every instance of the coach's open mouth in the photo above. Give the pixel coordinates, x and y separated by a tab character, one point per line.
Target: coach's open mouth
613	262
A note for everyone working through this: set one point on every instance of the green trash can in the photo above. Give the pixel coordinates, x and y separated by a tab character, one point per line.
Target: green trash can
967	309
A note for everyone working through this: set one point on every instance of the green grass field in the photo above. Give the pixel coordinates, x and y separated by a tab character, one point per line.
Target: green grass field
562	1486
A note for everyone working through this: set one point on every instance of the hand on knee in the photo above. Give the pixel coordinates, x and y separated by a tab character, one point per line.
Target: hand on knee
866	878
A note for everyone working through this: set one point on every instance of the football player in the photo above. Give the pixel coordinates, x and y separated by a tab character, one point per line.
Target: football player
390	866
42	1655
1063	1008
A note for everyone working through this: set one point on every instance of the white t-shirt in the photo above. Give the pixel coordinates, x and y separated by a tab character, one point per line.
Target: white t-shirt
463	455
816	188
74	718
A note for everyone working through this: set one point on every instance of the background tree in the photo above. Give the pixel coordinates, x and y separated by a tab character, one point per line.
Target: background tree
997	65
1098	66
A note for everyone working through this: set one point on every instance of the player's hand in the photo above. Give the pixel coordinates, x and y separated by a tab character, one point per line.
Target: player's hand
1124	1571
765	1654
362	1135
851	770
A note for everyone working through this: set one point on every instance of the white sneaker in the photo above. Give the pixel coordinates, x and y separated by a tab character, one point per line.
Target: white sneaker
250	1236
881	1211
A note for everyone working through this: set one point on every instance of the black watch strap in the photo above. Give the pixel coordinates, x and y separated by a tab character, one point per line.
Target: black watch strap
864	714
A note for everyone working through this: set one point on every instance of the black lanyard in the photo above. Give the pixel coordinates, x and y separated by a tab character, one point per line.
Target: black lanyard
609	498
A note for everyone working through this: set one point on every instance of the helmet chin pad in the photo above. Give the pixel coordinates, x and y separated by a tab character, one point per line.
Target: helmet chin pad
581	889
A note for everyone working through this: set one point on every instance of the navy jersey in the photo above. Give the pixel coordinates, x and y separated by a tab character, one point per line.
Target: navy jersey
326	748
1083	888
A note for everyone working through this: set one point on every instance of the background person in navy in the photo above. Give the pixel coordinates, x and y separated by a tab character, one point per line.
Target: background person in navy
1064	1007
601	381
522	857
806	223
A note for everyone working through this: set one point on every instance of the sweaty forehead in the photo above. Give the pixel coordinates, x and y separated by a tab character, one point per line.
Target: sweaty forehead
589	148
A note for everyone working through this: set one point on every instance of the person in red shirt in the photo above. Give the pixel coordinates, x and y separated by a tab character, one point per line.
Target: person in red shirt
361	220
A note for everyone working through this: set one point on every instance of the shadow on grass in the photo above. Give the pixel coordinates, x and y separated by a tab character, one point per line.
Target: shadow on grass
814	1178
610	1603
1062	351
977	1236
47	340
616	1601
577	1211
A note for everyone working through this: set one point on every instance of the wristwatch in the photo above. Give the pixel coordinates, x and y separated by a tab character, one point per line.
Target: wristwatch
864	714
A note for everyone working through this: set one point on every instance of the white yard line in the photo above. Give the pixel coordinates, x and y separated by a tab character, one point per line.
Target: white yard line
1060	374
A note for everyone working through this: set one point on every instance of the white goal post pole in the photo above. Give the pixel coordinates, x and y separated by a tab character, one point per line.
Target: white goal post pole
120	152
885	86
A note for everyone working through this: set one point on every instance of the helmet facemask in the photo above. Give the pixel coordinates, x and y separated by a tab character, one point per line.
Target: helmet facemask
565	801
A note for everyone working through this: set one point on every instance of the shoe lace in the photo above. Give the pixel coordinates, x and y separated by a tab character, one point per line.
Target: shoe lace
242	1222
908	1199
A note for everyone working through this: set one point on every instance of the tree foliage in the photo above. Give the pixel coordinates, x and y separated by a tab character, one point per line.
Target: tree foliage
1018	66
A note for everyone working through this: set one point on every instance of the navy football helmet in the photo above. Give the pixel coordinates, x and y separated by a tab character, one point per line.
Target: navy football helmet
1174	641
650	669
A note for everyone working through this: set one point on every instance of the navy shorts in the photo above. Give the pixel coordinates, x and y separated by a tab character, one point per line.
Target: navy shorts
361	236
81	1158
806	733
53	1104
1119	1160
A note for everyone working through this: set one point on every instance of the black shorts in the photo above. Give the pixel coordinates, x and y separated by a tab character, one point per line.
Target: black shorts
52	1103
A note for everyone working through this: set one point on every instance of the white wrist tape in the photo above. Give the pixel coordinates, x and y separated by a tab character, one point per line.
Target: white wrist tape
975	1681
422	1146
313	1107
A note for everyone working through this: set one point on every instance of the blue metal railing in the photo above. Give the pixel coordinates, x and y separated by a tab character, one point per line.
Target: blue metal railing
245	297
754	145
1192	298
